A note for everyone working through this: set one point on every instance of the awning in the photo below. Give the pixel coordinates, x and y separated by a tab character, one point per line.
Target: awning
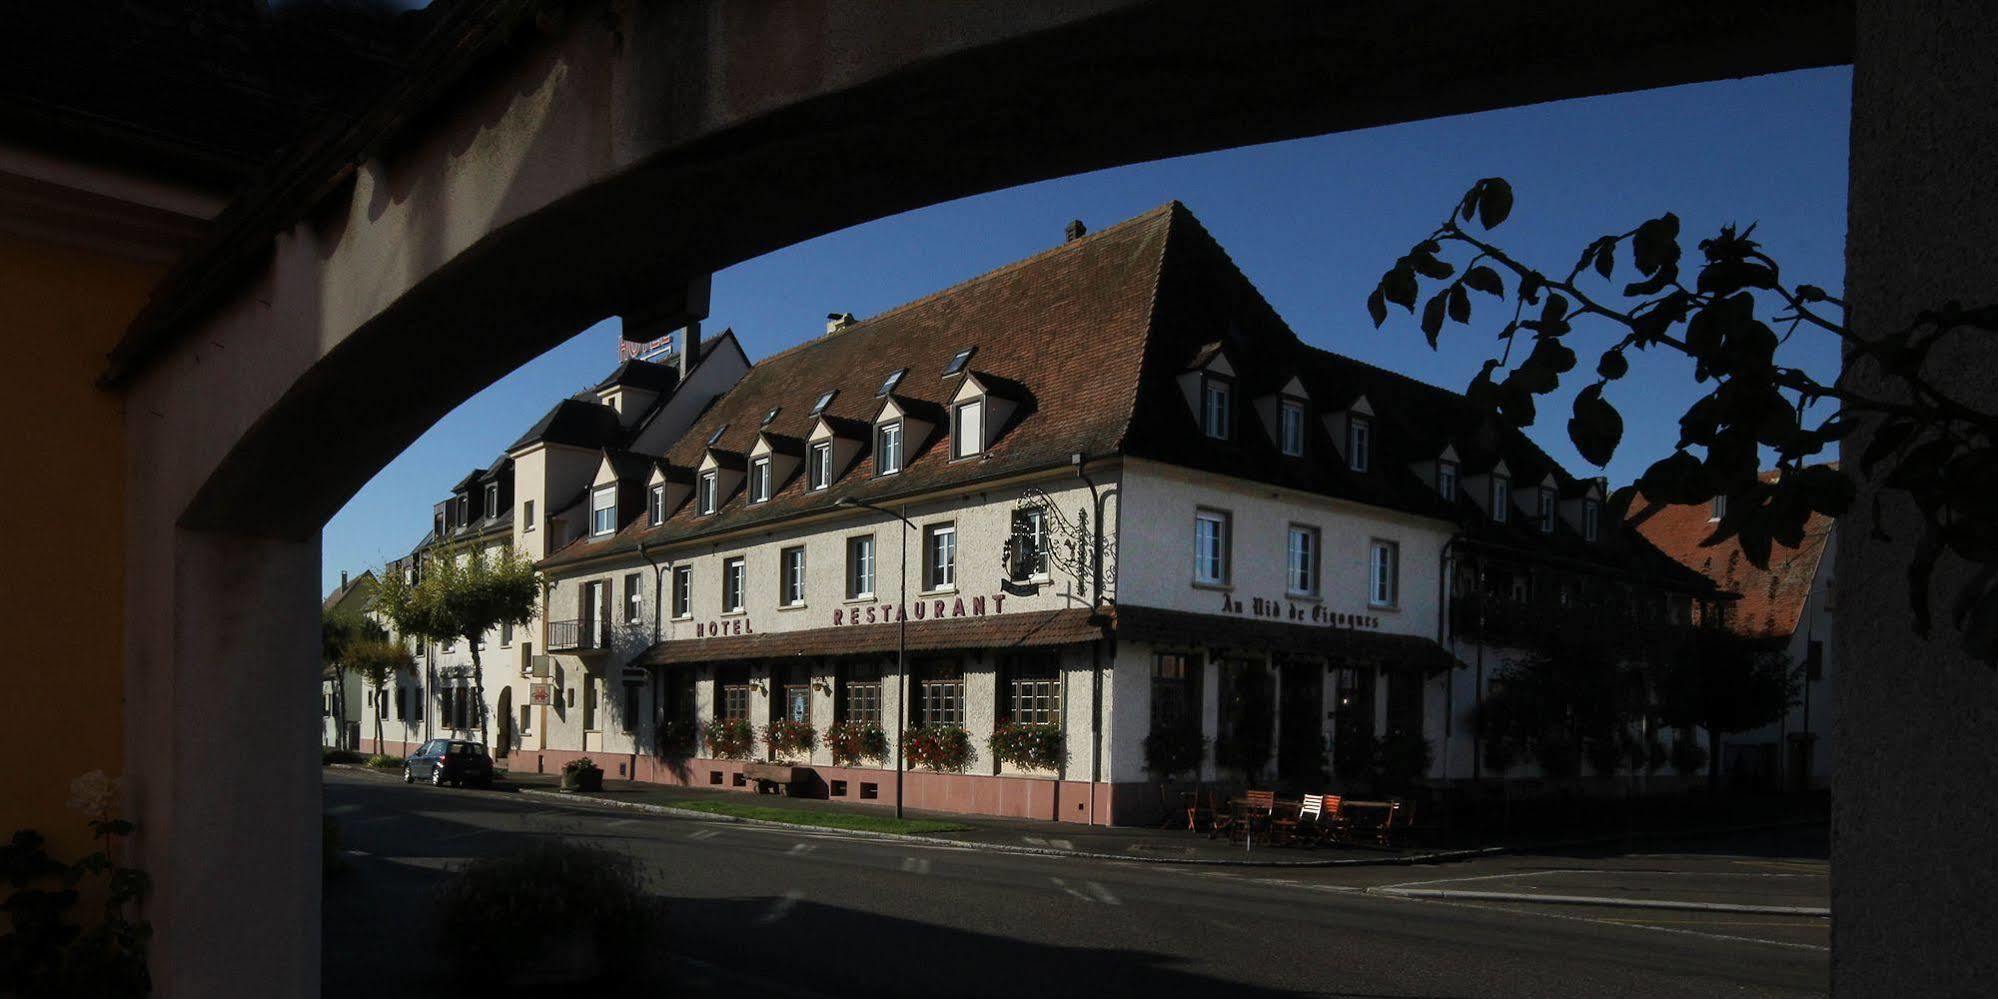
997	631
1151	624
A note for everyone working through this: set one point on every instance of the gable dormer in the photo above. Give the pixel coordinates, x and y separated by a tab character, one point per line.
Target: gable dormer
716	478
1352	430
667	489
1491	489
1286	416
772	461
1582	508
632	389
1209	384
1538	500
832	447
901	429
979	410
1442	473
617	493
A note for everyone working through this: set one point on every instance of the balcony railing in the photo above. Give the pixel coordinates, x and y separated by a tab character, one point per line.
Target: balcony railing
579	635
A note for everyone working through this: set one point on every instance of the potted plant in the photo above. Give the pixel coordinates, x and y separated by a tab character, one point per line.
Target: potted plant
944	749
1028	745
582	774
788	739
678	739
1174	750
851	742
731	739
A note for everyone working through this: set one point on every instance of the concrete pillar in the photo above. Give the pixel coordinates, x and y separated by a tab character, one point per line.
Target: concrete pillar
1913	883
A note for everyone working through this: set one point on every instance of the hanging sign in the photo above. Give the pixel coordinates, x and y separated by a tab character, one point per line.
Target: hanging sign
540	693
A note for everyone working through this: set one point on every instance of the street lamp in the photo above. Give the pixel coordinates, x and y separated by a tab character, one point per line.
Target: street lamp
901	635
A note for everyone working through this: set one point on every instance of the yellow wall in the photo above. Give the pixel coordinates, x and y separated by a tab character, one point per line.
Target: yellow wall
61	497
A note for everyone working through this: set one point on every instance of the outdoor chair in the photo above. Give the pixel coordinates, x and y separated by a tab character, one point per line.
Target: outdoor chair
1221	815
1400	816
1294	823
1251	813
1199	807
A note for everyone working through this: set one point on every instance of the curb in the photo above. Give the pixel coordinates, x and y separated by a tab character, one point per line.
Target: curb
1614	903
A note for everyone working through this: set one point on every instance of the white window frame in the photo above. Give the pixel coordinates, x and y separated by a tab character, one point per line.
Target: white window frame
1218	559
527	517
1359	442
709	489
1383	573
603	518
940	557
1546	510
634	598
791	580
1501	498
1037	533
1290	427
1303	554
1217	409
759	480
963	444
735	580
683	592
492	500
888	459
1446	480
1591	519
860	567
656	505
821	465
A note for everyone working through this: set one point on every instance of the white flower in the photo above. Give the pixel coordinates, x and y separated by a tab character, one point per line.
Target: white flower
94	794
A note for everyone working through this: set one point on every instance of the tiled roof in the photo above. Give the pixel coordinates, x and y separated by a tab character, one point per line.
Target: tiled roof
638	374
996	631
573	422
340	593
1772	600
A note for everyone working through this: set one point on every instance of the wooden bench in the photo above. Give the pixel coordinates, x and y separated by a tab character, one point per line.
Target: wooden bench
770	778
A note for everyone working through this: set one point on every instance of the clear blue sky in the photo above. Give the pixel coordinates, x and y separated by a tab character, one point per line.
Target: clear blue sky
1313	222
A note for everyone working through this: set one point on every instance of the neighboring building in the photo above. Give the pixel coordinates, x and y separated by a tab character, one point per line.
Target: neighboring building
1277	524
341	699
1787	607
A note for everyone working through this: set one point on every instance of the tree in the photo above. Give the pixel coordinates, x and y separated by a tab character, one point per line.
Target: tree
338	631
462	592
376	659
1725	684
1571	700
1939	453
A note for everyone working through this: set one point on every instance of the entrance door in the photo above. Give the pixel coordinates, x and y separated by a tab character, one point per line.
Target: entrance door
1301	723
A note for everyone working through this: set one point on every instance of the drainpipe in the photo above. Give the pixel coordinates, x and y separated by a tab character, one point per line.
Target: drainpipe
1477	736
1444	638
1109	640
658	601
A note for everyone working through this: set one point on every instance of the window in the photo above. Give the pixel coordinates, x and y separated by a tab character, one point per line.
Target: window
888	448
771	417
1446	480
1174	675
1216	408
860	567
634	598
603	511
655	506
732	577
862	695
1546	511
1385	572
526	718
1033	691
683	592
527	517
1591	518
759	480
1501	498
707	491
1290	427
735	701
1301	561
492	501
1030	541
1719	509
958	361
631	706
888	384
792	584
506	633
1210	547
437	524
967	436
824	401
940	693
402	703
820	471
715	438
940	556
1359	443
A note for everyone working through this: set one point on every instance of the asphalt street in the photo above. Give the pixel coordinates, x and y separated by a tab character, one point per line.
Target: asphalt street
762	910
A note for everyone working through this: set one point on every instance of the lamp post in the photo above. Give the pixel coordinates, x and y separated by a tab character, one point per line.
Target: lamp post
901	636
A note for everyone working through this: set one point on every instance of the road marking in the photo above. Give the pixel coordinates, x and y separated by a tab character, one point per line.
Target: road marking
1034	841
429	863
1061	844
620	822
1794	924
1063	885
781	908
1606	900
1102	894
797	848
704	834
360	853
1514	910
916	865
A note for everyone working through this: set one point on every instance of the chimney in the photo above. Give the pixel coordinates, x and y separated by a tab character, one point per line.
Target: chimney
836	321
1075	230
690	348
343	579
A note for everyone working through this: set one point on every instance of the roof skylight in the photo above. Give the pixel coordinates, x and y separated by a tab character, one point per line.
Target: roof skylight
716	436
958	362
771	417
824	401
888	384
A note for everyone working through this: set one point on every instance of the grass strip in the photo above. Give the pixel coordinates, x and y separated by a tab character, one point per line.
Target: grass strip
859	821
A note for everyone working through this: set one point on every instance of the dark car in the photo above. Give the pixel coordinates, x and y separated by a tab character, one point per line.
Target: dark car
449	761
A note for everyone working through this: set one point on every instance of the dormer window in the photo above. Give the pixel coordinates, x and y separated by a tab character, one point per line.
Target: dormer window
819	472
1217	407
715	438
1546	510
824	401
1290	428
655	506
1446	481
603	511
1719	509
888	384
958	361
967	432
1501	498
759	480
888	448
492	501
707	492
1591	517
439	525
1359	442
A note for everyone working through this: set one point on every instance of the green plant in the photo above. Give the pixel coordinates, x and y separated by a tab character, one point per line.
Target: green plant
383	761
941	748
1569	700
461	592
580	764
327	756
44	953
1028	745
377	659
852	742
555	912
1688	756
1725	683
731	739
677	739
1174	749
1402	758
1940	453
788	738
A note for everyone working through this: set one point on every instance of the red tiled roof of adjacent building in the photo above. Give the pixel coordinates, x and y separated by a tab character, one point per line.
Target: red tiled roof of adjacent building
1772	600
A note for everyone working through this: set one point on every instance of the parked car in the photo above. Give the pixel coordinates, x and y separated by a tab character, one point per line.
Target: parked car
449	761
